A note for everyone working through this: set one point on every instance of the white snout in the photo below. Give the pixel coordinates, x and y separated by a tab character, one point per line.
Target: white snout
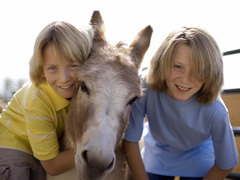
95	157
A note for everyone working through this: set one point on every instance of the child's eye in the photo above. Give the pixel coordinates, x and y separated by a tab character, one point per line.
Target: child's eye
73	66
52	68
177	66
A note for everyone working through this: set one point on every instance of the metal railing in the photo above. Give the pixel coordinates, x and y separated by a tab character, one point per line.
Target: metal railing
236	51
236	129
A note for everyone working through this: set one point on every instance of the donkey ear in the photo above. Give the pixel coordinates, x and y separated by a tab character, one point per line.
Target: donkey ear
140	44
98	25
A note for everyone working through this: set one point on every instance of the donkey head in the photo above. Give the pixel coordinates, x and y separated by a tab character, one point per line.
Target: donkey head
99	112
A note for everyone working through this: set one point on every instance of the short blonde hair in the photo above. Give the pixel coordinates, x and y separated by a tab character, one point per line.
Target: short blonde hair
75	44
206	60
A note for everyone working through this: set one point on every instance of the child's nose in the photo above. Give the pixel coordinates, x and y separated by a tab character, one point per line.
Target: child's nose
64	75
186	77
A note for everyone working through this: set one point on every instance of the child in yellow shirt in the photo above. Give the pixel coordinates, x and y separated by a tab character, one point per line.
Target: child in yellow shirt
34	119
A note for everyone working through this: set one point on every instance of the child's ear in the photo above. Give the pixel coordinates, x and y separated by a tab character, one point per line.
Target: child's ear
43	75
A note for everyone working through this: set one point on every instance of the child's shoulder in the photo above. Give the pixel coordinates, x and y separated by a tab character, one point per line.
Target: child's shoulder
218	106
30	90
218	103
30	93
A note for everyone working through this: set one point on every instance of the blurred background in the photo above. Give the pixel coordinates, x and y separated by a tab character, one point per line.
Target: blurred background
22	20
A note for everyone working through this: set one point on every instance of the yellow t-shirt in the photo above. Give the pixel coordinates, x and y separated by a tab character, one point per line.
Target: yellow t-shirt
34	120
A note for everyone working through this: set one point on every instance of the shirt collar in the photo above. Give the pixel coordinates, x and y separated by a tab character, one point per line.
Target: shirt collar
58	101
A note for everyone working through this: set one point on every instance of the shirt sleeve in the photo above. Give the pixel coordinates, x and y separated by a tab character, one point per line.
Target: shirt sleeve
41	130
224	142
134	129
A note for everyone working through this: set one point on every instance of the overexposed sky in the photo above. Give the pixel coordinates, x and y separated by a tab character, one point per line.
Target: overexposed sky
22	20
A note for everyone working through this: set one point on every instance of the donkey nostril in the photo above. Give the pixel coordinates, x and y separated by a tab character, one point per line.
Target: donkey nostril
97	162
111	164
84	155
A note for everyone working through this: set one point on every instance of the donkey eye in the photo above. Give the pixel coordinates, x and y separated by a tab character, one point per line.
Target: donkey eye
84	87
132	100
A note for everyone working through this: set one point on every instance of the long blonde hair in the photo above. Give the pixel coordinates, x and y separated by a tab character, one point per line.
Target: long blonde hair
206	60
75	44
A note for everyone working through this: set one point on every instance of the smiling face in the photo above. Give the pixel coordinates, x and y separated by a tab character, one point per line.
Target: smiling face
60	73
181	84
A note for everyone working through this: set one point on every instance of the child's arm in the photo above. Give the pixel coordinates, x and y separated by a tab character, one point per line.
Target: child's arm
63	162
134	159
216	173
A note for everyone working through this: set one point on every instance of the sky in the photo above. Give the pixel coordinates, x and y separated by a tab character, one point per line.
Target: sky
22	20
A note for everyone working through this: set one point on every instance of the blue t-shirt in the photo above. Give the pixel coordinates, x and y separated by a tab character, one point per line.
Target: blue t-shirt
182	138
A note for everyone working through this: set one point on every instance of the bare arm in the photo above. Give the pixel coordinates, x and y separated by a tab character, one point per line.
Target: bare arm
216	173
63	162
134	159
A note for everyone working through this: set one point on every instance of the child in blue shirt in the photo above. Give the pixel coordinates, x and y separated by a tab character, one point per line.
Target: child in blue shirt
188	133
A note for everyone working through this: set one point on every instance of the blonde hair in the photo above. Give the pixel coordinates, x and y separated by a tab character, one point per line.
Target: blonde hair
75	44
206	60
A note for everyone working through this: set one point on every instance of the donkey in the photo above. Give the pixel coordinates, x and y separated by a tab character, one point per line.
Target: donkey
99	111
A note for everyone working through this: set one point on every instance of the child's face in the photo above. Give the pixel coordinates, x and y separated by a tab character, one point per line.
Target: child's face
181	84
59	72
